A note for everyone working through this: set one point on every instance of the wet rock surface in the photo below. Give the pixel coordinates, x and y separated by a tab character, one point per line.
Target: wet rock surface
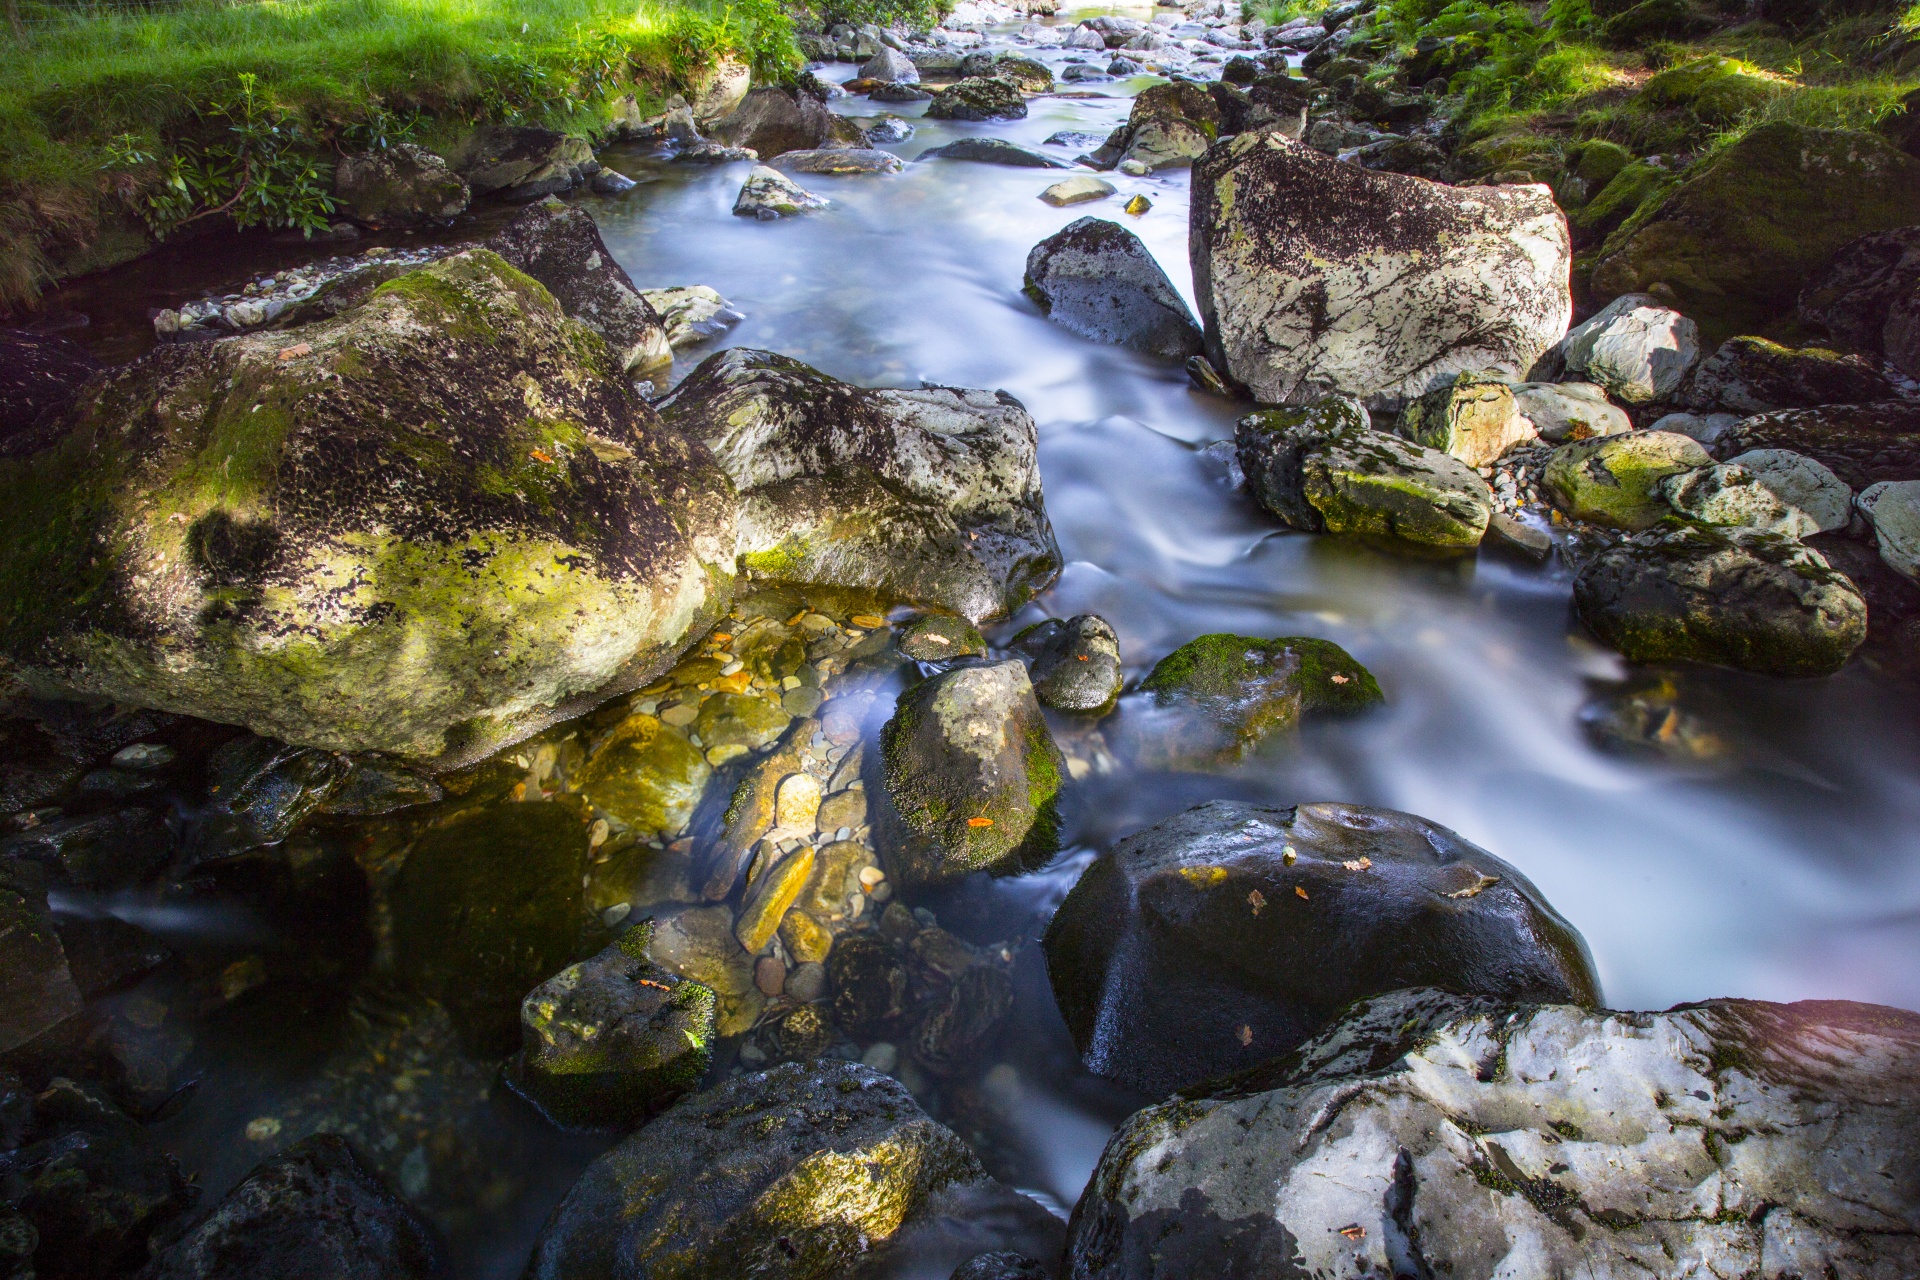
1074	663
39	374
561	248
403	185
1097	279
994	97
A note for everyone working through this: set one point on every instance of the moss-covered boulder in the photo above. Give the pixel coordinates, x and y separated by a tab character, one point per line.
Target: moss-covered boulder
559	245
1473	418
1753	375
939	637
614	1039
1715	90
1737	241
1757	601
930	496
1616	200
429	526
1615	480
402	185
1863	444
972	775
979	98
1169	125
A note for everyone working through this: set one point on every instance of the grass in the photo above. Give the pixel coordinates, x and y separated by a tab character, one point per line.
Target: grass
137	116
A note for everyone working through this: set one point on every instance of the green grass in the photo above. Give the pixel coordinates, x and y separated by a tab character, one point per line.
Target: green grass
103	108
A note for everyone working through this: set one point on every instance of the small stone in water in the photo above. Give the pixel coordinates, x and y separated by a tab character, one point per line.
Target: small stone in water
870	877
681	716
264	1129
807	982
144	755
1077	190
797	802
770	976
1139	205
597	833
614	914
718	756
882	1057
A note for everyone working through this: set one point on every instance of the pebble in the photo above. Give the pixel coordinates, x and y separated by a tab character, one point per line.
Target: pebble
1077	190
770	976
144	755
882	1057
614	914
870	877
807	982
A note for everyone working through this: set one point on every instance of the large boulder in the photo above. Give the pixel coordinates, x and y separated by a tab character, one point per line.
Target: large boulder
769	194
1615	480
1893	508
1481	1138
931	496
1168	126
786	1174
776	118
1757	601
1820	500
1863	444
972	775
890	65
1738	241
430	526
1633	348
1096	278
399	186
979	98
1753	375
560	246
1316	276
1868	298
1233	932
1769	489
992	151
1324	469
39	375
519	162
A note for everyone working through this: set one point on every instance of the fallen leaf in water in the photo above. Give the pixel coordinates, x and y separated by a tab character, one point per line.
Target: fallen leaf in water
539	456
1360	864
1299	891
1257	900
979	822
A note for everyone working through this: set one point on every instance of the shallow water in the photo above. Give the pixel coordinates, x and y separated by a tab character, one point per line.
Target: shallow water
1783	868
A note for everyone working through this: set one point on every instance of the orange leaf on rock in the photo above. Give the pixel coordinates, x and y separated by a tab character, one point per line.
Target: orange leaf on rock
979	822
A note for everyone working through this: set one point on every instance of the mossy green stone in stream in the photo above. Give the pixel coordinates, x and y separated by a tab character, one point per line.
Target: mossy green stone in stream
1615	480
647	776
742	720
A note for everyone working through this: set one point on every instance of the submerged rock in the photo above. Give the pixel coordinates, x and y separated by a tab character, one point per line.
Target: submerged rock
1753	375
560	246
1634	348
768	194
1487	1138
1233	932
1615	480
1074	664
699	944
37	990
1096	278
1474	418
979	98
931	496
401	185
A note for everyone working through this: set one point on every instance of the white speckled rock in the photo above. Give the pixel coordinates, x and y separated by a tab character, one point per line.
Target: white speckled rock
1570	410
1894	508
1820	497
1727	494
1706	428
768	194
1635	348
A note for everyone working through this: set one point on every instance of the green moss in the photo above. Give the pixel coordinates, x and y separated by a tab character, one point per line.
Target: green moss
1717	91
1251	689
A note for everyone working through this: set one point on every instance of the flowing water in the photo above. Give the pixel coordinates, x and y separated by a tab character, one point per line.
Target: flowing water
1778	864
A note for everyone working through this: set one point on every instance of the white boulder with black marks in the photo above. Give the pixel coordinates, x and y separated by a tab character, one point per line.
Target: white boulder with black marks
1636	349
1727	494
769	194
1893	508
1570	410
1809	488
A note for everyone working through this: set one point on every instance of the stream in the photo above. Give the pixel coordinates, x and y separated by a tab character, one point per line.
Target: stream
1757	841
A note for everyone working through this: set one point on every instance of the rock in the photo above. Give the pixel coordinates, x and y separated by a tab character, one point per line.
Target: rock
1323	469
768	897
889	128
1615	480
1097	279
315	1209
1708	430
973	776
1233	932
1726	494
1862	444
375	786
869	985
1308	271
740	720
1077	190
645	775
1510	1139
939	637
612	1040
1562	411
776	118
1634	348
1169	125
691	314
1216	700
979	98
1893	507
931	496
1865	297
900	93
1738	241
992	151
1032	77
1000	1266
1515	534
1475	418
698	944
786	1173
433	582
1753	375
768	194
841	160
892	66
1755	601
610	182
112	851
560	246
39	374
1416	157
1074	664
718	89
517	162
401	185
37	990
1820	500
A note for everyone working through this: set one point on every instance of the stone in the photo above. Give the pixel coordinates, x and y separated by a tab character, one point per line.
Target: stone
1737	241
1708	430
841	160
1000	1266
111	851
889	128
692	314
869	982
39	374
900	93
973	776
769	896
645	775
1233	932
401	185
610	1041
1860	443
1074	663
518	162
797	803
1864	297
742	720
930	496
698	944
1517	535
1634	348
1752	375
1096	278
833	896
375	786
1733	598
806	940
939	637
1820	499
1077	190
768	194
1538	1139
1315	276
560	246
1323	469
892	66
963	1014
315	1209
1168	126
992	151
717	89
1475	418
979	98
749	815
776	118
1893	508
1562	411
1729	494
807	981
1615	480
846	808
37	989
434	582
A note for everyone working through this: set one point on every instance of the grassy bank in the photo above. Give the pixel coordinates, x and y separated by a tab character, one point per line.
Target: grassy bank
119	125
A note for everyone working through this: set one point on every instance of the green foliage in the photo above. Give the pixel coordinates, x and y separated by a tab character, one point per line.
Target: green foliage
1278	13
914	14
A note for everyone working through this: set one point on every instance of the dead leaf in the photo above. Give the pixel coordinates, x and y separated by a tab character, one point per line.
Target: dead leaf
298	349
1338	678
1080	656
1299	891
1246	1036
979	822
1257	900
1359	864
1478	887
539	456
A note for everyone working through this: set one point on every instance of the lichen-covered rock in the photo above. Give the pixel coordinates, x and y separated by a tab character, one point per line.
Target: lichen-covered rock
560	246
844	161
1868	297
1074	664
517	162
890	65
1233	932
979	98
1169	125
1893	508
1032	76
930	496
431	526
1753	375
1729	494
939	637
1739	240
972	775
1819	499
1324	469
1315	276
1483	1138
1562	411
316	1209
1474	418
1756	601
37	990
1096	278
39	374
691	314
1615	480
797	1172
614	1039
1634	348
768	194
776	118
401	185
1861	443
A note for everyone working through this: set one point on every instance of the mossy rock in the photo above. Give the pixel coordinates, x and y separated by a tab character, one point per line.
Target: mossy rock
1615	480
1597	162
429	526
1656	20
647	776
1717	91
1628	189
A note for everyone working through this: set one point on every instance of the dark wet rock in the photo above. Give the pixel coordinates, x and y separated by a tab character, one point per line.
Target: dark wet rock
118	849
37	989
1031	76
1615	480
776	118
1862	444
979	98
518	162
316	1211
1757	601
1233	932
841	160
1753	375
1416	157
614	1039
962	1012
940	637
258	791
1324	469
105	953
433	580
1868	298
869	983
560	246
1097	279
992	151
1074	663
900	93
1001	1266
39	374
398	186
889	128
931	496
792	1172
1466	1126
375	786
610	182
1307	270
972	775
